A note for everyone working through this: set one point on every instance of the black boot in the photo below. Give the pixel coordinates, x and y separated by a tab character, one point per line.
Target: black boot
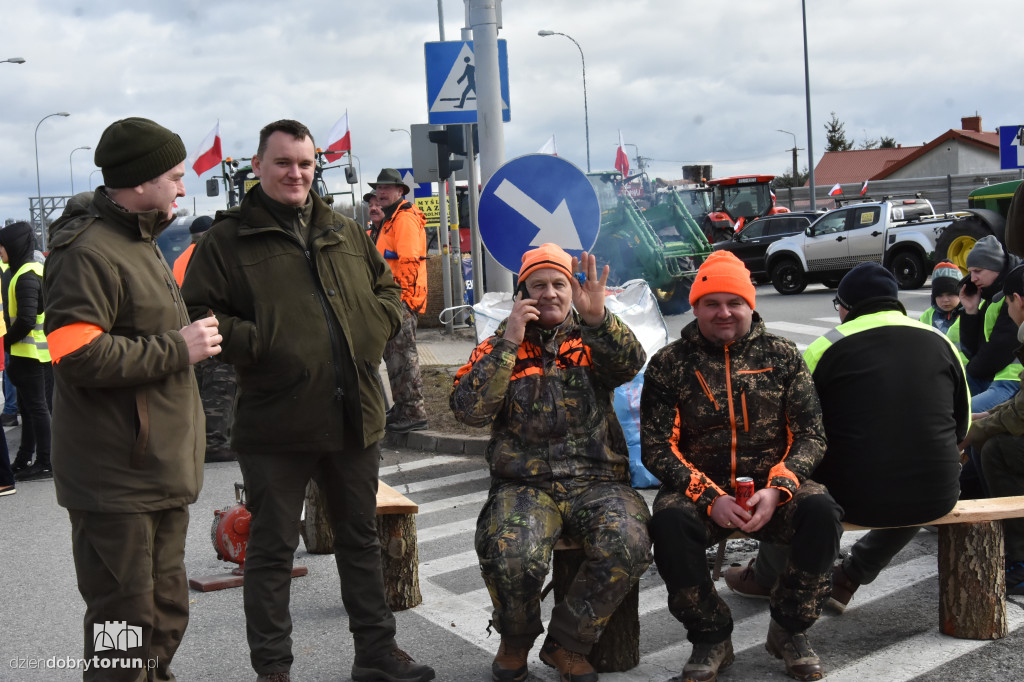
39	471
21	462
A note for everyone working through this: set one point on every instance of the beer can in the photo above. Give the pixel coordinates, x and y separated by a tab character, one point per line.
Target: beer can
744	489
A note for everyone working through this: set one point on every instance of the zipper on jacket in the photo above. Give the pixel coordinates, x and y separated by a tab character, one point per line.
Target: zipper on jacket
707	389
339	391
743	402
732	413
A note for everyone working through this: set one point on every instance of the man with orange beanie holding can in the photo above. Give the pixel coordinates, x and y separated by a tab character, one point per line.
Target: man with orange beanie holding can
729	400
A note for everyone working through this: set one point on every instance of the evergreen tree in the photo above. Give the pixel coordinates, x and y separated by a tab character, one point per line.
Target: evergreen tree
835	134
887	143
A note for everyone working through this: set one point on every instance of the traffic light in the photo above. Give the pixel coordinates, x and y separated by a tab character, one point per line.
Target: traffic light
446	140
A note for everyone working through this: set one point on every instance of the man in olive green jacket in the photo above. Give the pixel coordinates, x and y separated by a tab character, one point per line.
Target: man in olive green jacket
128	431
306	305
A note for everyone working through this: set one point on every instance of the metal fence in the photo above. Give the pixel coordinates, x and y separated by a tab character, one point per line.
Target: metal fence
946	192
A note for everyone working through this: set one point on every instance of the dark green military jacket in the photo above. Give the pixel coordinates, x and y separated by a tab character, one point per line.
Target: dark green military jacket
712	413
549	402
128	427
304	325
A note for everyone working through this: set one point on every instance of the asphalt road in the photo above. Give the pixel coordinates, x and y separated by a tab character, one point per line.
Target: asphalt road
890	632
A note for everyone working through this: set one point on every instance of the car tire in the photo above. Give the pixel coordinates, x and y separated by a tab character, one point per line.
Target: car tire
831	283
788	278
908	269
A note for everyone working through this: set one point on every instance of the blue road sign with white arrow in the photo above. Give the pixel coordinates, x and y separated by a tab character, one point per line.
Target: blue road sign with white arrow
1011	147
419	189
451	81
535	199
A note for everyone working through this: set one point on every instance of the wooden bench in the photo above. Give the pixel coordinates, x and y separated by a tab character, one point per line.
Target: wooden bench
972	575
618	649
396	528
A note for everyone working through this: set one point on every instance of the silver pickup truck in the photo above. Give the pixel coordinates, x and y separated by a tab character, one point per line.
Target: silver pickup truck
899	234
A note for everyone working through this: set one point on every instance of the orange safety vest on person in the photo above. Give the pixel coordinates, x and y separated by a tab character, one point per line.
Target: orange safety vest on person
181	264
403	243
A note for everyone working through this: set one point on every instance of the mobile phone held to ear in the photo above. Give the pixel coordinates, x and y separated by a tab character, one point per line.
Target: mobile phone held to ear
969	287
521	289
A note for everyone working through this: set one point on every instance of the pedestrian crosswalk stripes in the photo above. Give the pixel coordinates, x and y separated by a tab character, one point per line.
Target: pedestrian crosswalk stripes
455	599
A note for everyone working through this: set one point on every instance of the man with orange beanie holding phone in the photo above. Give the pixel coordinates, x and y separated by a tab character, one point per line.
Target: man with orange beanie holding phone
559	462
726	401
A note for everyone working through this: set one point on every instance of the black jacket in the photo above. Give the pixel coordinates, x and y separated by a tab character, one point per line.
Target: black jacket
987	356
895	405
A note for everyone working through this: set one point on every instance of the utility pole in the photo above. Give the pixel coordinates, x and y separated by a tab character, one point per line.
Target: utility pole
483	20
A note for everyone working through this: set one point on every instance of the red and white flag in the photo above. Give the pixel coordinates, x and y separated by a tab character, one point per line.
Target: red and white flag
549	147
836	189
208	155
339	140
864	188
621	160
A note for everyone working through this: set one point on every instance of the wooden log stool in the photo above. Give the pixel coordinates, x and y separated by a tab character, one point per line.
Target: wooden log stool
618	649
396	529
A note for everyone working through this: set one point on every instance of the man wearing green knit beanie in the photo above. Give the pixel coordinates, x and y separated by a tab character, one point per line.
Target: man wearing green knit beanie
128	434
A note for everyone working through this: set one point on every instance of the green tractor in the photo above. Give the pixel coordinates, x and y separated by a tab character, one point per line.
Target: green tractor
987	210
661	243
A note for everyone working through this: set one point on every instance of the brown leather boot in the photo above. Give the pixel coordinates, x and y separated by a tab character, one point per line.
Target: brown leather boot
574	667
510	663
706	660
795	649
842	589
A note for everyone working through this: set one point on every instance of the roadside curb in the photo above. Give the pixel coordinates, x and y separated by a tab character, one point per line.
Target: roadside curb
435	441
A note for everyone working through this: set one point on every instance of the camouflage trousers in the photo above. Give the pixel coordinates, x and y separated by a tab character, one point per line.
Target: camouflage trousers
811	523
403	363
515	536
217	388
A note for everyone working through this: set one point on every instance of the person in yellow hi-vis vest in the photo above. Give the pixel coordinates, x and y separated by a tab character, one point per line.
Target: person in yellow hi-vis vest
25	340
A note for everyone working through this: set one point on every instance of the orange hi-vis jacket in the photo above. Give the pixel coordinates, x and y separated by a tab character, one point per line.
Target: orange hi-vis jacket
181	264
403	243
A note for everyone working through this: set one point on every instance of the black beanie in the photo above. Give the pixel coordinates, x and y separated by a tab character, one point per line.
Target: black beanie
201	224
134	150
866	281
1013	283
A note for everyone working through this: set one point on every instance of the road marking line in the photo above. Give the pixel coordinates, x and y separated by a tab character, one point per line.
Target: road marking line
477	498
919	654
420	464
432	483
446	530
797	328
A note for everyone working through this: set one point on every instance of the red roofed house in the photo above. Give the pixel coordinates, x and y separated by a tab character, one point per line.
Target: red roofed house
955	152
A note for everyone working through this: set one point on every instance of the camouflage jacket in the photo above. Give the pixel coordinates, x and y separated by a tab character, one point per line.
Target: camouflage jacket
549	402
710	413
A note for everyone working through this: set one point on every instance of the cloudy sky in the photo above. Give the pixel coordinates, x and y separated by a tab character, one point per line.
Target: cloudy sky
685	81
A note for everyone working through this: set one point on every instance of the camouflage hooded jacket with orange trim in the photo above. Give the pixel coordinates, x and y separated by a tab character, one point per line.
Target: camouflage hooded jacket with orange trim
549	401
710	413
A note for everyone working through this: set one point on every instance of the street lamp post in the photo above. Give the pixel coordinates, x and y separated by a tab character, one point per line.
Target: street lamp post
807	98
796	173
91	173
39	192
12	60
583	61
73	167
402	130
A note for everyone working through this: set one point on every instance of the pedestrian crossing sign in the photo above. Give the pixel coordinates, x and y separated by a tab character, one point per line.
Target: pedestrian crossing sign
451	82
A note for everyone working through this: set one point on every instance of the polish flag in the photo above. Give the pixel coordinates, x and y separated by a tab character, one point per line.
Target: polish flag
621	160
864	188
549	147
339	139
208	154
836	189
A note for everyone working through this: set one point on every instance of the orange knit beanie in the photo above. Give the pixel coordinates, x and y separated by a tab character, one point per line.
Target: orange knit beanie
545	256
723	273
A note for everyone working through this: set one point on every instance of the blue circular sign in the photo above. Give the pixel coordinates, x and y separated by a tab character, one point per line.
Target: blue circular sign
535	199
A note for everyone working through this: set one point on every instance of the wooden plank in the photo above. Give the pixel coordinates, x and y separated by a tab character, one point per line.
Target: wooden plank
390	501
977	511
223	581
